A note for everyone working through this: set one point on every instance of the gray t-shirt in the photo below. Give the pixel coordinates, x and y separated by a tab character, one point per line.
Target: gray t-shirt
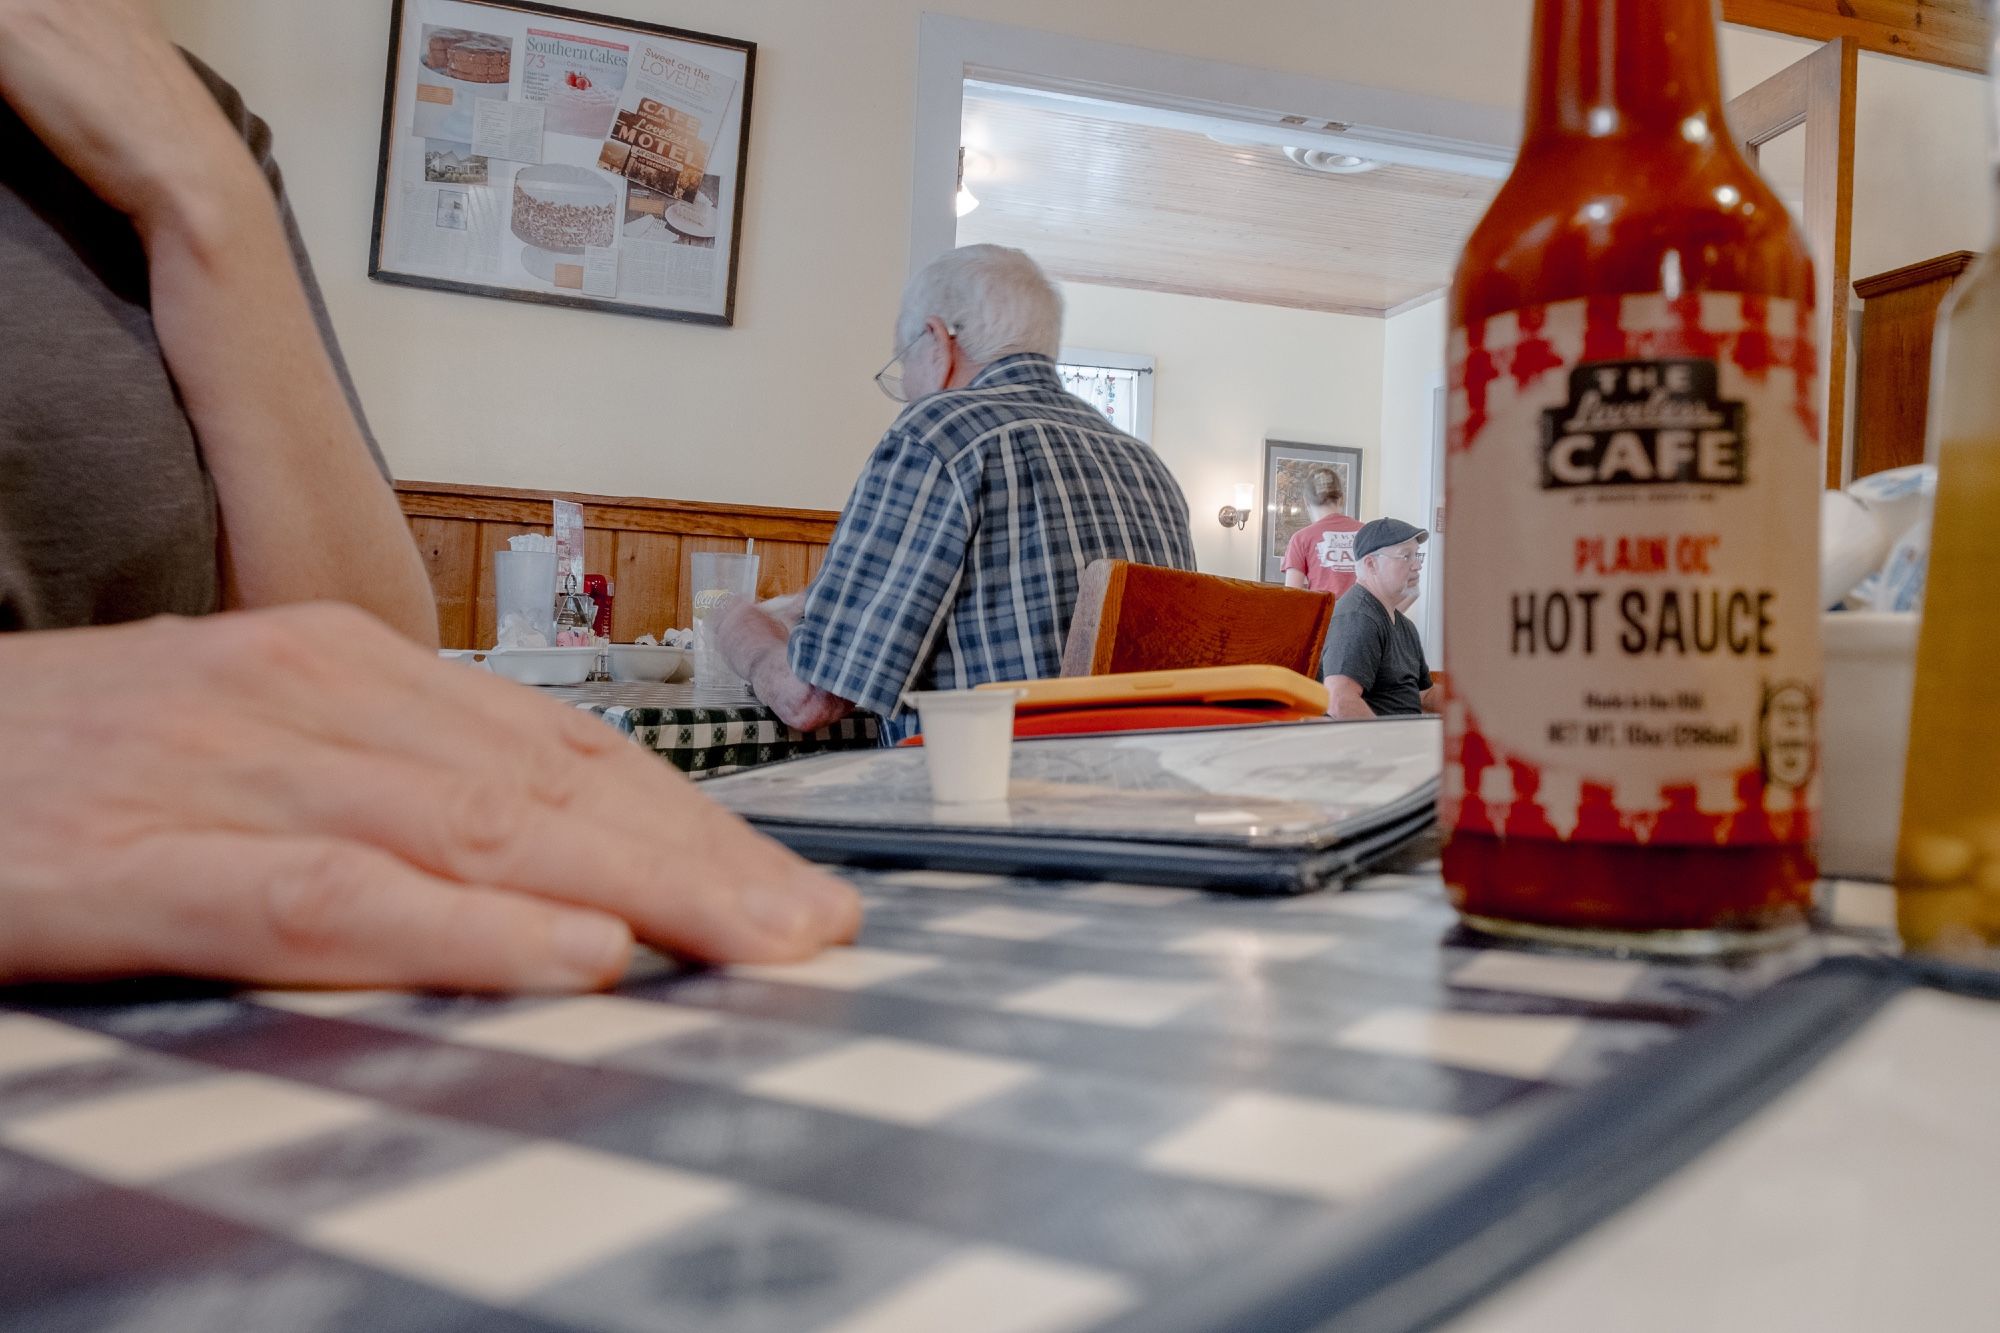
107	512
1378	648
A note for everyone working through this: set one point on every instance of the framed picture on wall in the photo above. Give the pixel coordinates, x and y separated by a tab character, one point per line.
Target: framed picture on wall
547	155
1287	467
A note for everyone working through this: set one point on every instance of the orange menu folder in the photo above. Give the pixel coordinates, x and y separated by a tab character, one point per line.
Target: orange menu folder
1266	689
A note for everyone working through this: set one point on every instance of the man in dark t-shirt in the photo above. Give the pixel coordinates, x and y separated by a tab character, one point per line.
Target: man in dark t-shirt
1374	659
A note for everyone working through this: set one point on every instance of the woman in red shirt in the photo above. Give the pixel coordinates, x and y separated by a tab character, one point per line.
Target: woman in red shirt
1320	555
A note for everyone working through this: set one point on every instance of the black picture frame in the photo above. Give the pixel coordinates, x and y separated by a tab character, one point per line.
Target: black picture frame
399	143
1285	464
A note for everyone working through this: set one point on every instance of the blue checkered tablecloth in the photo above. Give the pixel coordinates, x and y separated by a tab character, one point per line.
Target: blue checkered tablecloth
709	732
1010	1105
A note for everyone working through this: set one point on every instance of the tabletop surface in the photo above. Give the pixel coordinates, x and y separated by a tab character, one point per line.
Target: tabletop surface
681	696
1012	1106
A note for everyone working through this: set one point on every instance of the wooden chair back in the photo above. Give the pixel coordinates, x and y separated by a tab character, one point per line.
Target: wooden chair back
1132	617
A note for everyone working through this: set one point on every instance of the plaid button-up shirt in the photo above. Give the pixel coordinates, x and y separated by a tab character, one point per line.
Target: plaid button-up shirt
956	560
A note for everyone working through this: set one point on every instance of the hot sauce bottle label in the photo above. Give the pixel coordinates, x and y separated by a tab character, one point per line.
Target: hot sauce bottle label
1631	585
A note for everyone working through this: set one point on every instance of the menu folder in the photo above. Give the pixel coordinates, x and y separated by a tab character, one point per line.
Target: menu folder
1278	808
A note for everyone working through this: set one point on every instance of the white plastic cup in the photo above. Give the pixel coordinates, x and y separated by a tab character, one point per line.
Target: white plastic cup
968	742
524	586
717	576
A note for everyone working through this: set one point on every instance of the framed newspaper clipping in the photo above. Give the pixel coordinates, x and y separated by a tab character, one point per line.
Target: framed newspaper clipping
547	155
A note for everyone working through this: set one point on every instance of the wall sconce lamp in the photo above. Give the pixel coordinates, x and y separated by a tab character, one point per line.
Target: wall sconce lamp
1238	515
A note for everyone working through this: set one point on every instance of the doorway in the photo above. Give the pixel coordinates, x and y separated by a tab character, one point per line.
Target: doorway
1247	236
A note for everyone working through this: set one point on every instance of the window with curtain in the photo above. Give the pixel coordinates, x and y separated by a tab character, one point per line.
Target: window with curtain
1116	384
1115	393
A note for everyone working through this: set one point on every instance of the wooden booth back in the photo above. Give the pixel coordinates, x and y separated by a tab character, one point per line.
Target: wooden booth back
642	544
1141	618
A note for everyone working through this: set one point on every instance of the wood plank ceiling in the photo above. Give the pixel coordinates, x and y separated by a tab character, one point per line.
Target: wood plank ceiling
1171	210
1942	32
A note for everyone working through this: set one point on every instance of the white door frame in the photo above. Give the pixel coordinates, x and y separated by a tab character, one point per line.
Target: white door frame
1436	405
949	49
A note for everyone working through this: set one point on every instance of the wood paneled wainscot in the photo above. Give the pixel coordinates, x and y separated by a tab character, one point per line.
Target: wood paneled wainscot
1898	319
642	544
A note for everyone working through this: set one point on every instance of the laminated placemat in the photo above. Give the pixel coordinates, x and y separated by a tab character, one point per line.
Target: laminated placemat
1817	1157
1032	1105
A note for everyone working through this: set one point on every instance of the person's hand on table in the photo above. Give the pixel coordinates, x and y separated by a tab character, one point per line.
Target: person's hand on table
298	796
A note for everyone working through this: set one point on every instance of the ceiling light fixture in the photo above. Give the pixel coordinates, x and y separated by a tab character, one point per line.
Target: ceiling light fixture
964	201
1329	162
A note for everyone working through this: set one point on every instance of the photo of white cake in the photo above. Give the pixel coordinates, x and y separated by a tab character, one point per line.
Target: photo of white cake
563	208
692	217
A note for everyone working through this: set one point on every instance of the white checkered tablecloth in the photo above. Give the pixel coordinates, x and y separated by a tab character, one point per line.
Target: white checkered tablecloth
1014	1106
709	732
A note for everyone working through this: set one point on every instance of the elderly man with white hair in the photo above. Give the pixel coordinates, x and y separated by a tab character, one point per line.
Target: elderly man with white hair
957	557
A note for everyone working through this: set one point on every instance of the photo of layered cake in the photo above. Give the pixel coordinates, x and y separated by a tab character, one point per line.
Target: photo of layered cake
562	209
481	60
438	43
457	67
470	57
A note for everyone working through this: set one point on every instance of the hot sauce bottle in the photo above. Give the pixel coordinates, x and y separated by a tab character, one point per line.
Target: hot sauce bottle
1631	581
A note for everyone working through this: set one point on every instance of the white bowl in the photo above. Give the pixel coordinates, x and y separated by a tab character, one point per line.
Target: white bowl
1864	721
648	662
543	666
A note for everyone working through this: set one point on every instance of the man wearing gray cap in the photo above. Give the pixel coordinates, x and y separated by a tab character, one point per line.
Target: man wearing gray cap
1374	660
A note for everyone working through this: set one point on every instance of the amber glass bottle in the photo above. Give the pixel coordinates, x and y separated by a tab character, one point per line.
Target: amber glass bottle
1630	587
1948	865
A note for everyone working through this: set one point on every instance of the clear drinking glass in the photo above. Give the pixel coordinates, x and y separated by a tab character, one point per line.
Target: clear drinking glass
717	575
524	588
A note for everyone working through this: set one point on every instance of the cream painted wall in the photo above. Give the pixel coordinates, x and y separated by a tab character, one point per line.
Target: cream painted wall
780	409
1921	179
1412	362
1229	375
1920	175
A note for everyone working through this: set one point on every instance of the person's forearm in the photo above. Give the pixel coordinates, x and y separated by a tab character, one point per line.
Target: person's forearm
1344	701
1432	699
756	645
305	514
798	705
